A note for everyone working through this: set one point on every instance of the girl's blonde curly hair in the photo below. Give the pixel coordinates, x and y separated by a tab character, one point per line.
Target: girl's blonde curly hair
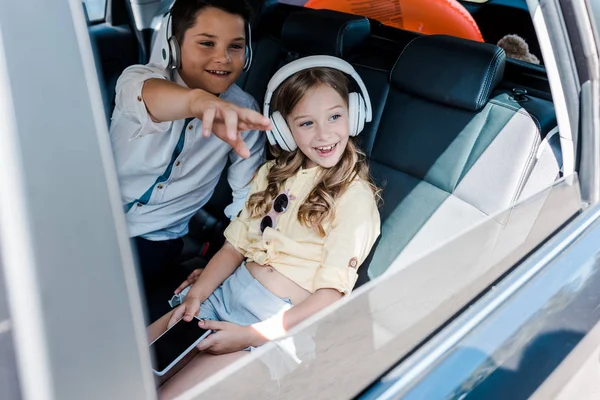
332	182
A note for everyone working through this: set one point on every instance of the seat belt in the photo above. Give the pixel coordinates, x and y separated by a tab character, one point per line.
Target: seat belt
144	54
548	166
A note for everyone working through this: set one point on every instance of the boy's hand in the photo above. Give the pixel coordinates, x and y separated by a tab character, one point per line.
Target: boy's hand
226	120
188	310
191	279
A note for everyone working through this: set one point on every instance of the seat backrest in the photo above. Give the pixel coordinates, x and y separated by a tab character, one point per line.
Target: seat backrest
449	151
115	49
304	32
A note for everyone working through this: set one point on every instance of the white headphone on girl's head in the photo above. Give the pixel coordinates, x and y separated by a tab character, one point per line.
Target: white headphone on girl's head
170	52
359	105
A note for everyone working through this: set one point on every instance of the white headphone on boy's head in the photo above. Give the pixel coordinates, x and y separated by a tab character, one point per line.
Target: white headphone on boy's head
359	105
170	52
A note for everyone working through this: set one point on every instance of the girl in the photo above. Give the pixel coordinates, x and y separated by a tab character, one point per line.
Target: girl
309	222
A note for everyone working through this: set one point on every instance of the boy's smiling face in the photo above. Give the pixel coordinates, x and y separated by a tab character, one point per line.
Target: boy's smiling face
213	51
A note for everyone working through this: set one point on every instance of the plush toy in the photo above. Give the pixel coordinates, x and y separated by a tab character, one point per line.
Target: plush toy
516	47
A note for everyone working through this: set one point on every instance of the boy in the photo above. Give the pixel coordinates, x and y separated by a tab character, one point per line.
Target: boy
167	160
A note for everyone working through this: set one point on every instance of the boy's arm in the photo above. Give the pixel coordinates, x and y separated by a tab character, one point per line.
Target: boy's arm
167	101
143	90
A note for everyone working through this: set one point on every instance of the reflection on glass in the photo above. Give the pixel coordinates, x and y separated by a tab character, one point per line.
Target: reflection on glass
345	348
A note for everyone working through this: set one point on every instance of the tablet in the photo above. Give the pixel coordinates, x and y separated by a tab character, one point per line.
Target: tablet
177	341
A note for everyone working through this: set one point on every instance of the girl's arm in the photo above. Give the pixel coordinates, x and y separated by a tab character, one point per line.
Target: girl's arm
228	337
219	268
278	325
353	232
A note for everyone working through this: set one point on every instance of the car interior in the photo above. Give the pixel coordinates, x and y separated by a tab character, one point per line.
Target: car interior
460	132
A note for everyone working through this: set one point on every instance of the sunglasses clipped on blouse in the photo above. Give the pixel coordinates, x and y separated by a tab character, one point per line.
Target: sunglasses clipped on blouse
279	206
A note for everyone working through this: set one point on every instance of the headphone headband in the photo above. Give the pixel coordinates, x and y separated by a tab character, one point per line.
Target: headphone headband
312	62
166	51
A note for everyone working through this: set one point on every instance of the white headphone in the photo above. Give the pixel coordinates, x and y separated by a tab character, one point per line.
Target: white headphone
359	105
170	52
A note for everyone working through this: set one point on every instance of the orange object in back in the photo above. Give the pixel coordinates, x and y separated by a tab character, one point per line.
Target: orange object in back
447	17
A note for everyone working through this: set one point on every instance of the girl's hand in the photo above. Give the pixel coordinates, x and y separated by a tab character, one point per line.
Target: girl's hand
191	279
187	310
228	337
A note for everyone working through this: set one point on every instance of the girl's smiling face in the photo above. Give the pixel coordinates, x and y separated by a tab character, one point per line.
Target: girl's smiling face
320	126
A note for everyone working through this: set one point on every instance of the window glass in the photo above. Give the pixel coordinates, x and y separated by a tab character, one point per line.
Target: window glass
383	322
95	9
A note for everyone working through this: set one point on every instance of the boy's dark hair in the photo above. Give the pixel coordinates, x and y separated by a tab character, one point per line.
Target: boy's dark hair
184	12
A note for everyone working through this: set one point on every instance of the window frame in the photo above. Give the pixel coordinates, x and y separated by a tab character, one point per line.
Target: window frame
101	18
72	289
27	259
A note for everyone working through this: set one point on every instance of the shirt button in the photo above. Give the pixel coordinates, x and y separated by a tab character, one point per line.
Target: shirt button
190	127
139	98
139	204
177	164
268	243
160	186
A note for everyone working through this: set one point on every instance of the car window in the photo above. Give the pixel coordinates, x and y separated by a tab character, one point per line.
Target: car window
441	273
390	316
361	336
96	9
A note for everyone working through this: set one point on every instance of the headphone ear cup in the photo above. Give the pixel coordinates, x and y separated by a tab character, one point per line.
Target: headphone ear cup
175	62
357	113
165	55
271	137
352	114
248	48
362	114
247	59
281	132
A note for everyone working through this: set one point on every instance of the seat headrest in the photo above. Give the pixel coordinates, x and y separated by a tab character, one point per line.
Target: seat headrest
449	70
326	32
